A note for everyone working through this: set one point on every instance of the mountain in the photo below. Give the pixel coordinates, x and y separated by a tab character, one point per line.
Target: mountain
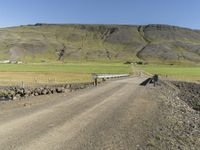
51	42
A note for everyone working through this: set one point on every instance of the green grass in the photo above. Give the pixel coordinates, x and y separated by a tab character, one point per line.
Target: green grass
188	73
68	67
81	72
56	73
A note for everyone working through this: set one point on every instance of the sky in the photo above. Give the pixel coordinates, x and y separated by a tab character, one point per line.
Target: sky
185	13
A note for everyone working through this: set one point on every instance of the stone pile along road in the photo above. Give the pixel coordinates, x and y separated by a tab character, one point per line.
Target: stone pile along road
112	116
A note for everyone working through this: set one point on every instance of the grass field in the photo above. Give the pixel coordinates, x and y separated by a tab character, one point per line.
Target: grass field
56	73
68	67
81	72
186	73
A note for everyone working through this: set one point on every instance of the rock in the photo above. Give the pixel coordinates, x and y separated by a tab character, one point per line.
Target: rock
21	92
44	92
14	93
14	98
52	91
38	91
59	90
27	92
82	86
36	94
67	90
67	86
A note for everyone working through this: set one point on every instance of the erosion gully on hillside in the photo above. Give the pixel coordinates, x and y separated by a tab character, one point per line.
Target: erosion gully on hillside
117	115
80	42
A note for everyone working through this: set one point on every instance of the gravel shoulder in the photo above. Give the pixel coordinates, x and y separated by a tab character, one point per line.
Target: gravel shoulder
178	124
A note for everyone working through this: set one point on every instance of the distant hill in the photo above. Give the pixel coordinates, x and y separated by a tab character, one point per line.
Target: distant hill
50	42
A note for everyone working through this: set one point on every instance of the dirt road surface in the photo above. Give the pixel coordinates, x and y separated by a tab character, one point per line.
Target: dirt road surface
112	116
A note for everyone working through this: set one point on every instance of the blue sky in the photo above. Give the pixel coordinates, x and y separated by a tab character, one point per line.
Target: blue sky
184	13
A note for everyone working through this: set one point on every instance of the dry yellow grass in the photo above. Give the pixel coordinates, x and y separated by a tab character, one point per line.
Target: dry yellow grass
12	74
10	78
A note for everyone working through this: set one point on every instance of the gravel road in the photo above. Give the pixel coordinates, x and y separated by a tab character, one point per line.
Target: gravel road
111	116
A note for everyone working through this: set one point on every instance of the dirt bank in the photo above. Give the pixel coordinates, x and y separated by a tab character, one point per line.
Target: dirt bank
178	123
190	93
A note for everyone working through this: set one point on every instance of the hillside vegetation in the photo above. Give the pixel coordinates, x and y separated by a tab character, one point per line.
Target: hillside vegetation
49	42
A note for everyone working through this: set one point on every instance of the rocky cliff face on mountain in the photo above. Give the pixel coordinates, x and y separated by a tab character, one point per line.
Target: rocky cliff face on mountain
151	43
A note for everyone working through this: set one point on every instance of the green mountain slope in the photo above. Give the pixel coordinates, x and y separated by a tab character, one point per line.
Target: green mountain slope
49	42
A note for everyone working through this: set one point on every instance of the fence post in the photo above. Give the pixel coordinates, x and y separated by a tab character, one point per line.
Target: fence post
94	77
95	82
